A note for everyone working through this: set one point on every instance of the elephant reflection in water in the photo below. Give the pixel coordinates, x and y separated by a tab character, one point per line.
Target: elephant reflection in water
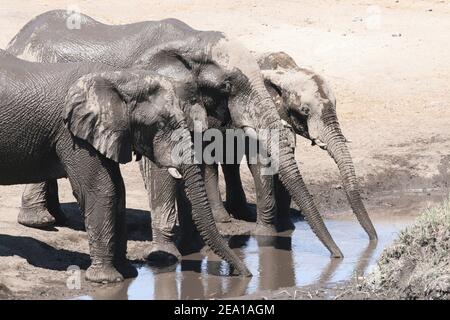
199	280
276	269
276	263
364	260
359	268
165	285
114	292
192	285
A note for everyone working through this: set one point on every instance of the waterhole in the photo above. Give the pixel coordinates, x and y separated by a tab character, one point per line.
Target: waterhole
285	260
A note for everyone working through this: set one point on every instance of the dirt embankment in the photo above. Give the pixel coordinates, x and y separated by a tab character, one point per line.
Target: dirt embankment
387	63
415	266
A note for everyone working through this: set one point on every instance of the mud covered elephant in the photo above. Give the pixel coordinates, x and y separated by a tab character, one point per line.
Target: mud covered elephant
225	73
307	105
80	121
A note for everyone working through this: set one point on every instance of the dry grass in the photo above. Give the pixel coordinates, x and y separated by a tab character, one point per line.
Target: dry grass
417	264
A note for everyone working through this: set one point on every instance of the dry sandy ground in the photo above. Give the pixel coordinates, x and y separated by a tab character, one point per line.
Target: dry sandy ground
387	61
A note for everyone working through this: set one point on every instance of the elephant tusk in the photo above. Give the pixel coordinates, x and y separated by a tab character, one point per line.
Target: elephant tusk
286	124
348	140
174	173
251	133
320	144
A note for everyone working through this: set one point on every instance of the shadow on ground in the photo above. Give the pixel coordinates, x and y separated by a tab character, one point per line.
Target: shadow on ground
40	254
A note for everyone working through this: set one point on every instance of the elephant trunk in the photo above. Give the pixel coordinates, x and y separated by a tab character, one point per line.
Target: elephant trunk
291	178
281	154
338	150
204	220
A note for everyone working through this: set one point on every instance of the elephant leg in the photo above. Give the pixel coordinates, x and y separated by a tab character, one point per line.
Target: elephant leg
126	269
53	205
99	189
265	200
40	206
283	201
213	192
161	189
236	201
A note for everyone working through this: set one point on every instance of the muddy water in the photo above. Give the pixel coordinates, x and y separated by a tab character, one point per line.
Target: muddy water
276	262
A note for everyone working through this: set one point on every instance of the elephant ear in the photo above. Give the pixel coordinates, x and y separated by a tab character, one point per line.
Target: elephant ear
274	81
276	60
174	59
96	113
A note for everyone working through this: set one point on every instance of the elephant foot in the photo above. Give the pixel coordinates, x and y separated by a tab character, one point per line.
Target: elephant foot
37	217
102	273
163	254
285	224
221	215
126	269
263	229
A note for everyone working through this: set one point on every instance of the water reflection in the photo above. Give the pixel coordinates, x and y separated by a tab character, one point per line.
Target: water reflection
364	259
329	271
275	261
165	287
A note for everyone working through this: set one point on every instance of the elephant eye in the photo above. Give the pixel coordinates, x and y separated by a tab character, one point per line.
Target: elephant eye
305	110
160	124
226	87
193	100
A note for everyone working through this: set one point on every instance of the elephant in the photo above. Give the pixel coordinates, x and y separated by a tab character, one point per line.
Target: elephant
307	105
80	120
225	72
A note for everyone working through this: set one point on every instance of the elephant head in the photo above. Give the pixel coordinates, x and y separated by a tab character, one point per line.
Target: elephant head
125	111
305	101
194	112
231	88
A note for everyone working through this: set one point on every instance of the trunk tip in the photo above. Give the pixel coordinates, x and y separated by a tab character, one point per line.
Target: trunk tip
244	272
337	254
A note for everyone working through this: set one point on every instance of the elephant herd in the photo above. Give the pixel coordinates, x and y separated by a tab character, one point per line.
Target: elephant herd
77	102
